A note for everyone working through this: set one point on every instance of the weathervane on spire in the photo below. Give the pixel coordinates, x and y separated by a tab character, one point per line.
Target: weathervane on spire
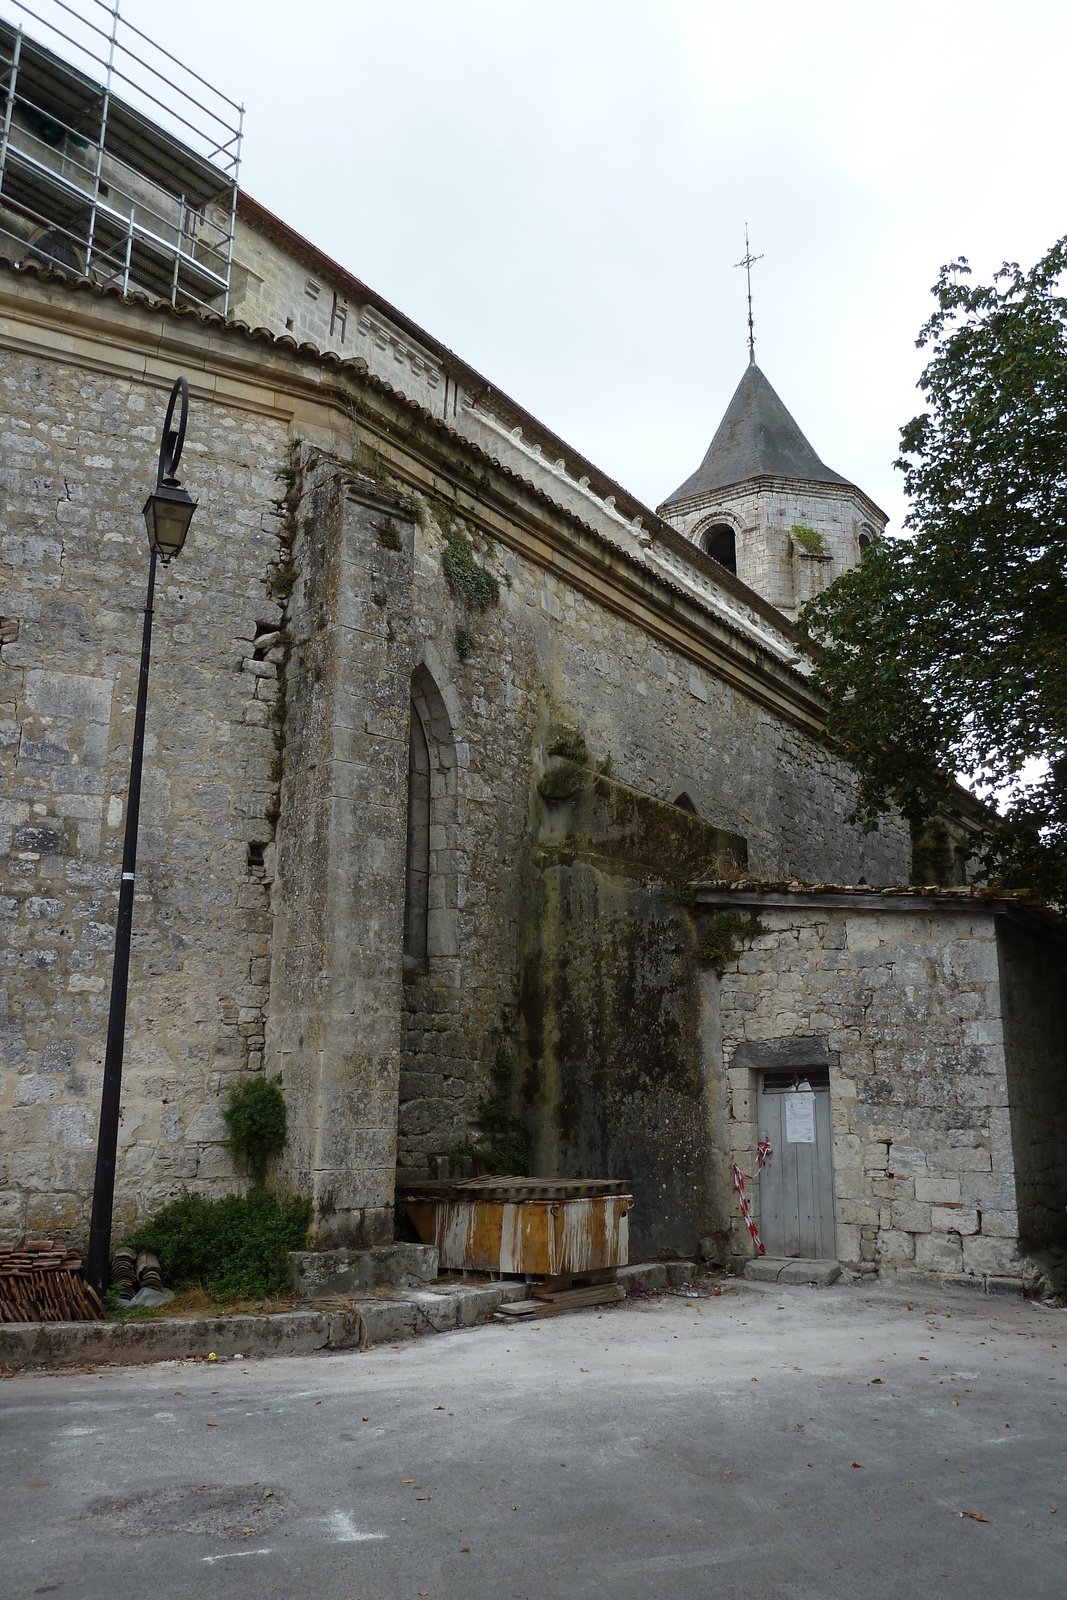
747	261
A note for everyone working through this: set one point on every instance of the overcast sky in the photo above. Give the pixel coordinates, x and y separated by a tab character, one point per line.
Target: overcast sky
558	190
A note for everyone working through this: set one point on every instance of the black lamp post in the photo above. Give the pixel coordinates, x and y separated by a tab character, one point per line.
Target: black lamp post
168	511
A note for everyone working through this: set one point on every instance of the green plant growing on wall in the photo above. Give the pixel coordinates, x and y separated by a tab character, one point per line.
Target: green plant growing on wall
256	1121
465	577
720	941
809	539
389	534
569	742
464	643
562	783
503	1146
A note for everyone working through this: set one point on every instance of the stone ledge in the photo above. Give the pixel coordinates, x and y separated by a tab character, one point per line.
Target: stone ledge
774	1269
25	1345
656	1275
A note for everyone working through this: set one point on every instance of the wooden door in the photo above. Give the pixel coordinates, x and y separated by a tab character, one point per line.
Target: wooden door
797	1182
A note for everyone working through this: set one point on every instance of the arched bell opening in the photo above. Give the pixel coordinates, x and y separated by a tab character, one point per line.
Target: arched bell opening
721	545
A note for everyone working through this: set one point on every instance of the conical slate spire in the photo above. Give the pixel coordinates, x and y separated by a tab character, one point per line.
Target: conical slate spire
756	438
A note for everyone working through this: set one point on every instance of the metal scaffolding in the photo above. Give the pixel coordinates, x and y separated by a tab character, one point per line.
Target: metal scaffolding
117	162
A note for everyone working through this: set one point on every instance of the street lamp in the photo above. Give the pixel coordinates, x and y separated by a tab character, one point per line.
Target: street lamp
168	511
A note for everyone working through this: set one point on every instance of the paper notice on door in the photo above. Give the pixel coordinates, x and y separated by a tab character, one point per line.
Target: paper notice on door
800	1116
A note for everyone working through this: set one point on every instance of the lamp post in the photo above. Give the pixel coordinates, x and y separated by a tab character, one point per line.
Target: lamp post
168	511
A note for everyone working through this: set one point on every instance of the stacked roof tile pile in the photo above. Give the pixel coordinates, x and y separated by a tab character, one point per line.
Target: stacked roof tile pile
42	1282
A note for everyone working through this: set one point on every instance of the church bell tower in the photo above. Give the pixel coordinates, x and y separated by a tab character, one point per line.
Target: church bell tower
765	507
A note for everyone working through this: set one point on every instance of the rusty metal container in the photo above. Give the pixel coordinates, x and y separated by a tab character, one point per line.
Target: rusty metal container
543	1227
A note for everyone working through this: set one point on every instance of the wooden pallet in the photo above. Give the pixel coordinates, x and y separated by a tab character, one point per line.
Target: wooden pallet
550	1297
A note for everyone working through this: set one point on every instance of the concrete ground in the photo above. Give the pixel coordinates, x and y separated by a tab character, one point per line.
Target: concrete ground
790	1443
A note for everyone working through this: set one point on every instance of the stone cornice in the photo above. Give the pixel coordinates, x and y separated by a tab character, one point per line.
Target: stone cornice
1022	908
326	400
771	483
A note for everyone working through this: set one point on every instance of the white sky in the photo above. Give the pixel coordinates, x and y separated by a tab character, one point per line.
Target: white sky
558	189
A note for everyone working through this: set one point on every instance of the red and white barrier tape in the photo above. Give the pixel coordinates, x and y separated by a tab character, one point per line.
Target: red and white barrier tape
763	1151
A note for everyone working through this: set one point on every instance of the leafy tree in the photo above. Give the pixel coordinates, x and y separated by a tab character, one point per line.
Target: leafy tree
945	651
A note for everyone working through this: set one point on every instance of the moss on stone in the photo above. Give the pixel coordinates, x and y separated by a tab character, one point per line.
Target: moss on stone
569	742
562	783
465	577
810	540
722	938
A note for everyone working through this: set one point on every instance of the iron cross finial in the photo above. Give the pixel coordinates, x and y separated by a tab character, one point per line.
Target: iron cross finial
747	261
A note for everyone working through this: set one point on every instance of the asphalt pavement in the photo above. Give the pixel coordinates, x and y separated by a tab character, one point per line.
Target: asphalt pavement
790	1443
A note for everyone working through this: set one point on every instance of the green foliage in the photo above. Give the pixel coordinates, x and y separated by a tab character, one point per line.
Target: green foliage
464	643
465	577
681	894
233	1246
569	742
809	539
256	1122
946	651
503	1149
723	937
460	1159
389	534
606	767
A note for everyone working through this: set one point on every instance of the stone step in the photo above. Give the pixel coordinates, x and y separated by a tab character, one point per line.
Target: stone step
778	1269
641	1275
320	1273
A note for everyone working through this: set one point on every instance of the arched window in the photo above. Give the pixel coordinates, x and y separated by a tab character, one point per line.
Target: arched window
430	894
684	803
417	889
866	538
721	547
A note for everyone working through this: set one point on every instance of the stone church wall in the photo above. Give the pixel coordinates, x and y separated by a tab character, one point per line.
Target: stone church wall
77	456
548	655
287	639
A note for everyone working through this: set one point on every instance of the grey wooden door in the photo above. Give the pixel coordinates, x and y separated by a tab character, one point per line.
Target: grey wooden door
797	1183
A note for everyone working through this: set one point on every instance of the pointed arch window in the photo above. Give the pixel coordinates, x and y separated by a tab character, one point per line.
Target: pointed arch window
417	883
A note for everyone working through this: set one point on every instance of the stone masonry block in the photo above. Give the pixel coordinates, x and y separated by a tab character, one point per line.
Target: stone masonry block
982	1254
848	1242
959	1160
896	1248
1000	1224
938	1252
938	1191
954	1219
911	1216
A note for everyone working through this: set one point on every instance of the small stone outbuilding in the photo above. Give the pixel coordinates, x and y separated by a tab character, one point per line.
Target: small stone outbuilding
935	1022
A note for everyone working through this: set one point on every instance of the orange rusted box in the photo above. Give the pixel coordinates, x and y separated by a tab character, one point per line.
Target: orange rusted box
543	1227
